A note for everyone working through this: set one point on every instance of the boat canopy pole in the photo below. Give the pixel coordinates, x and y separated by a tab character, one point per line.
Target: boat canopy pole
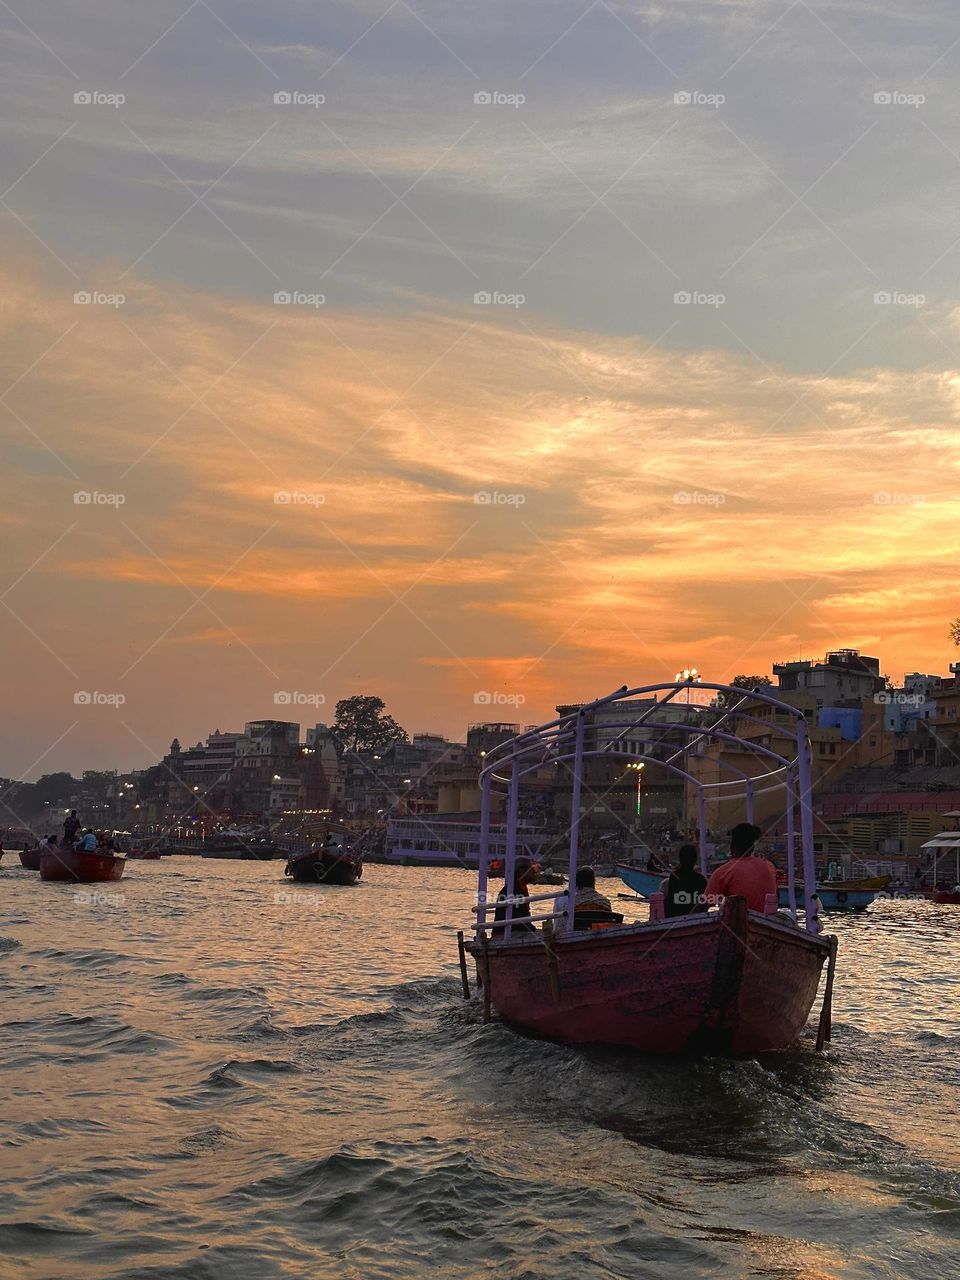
486	783
702	827
805	771
791	845
575	817
510	861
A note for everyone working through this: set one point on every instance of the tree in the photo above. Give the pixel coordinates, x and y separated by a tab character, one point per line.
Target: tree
361	724
725	700
954	632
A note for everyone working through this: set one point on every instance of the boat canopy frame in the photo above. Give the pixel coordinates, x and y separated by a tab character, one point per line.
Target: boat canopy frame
565	740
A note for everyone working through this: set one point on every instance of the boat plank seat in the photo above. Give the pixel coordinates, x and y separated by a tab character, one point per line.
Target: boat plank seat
589	919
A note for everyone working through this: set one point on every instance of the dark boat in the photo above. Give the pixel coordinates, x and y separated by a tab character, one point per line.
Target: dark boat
78	866
325	866
30	858
231	844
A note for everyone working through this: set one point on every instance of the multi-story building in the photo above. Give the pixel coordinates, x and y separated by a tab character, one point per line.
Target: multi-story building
843	676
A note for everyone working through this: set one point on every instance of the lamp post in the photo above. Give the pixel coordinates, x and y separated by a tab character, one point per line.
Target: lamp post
688	676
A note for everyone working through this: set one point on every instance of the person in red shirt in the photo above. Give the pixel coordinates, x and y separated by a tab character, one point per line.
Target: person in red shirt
743	876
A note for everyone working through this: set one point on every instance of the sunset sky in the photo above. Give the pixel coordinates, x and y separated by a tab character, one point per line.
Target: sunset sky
768	468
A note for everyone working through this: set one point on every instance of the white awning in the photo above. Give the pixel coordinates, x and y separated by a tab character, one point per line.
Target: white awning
945	840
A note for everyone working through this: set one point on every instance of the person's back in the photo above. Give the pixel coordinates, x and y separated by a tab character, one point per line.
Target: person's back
588	897
89	842
744	876
683	890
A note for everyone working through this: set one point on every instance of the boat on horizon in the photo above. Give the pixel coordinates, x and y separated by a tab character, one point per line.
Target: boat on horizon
732	981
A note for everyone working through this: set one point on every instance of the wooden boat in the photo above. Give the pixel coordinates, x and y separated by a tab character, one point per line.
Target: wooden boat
30	858
324	866
946	897
145	855
79	866
733	980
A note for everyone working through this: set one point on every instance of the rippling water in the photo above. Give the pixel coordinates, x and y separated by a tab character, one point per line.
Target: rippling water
200	1080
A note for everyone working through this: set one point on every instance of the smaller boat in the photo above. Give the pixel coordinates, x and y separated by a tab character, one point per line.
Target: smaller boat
146	855
30	858
329	864
80	866
946	897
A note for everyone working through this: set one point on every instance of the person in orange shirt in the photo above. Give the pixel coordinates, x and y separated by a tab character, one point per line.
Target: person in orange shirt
743	875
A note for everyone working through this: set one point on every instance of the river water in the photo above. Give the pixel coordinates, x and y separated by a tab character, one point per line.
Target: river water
206	1072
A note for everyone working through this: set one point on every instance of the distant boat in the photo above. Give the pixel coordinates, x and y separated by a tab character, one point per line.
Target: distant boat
327	865
234	844
30	858
946	897
80	866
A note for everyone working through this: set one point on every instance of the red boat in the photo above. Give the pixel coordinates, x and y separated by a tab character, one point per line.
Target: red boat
30	858
733	980
78	866
948	897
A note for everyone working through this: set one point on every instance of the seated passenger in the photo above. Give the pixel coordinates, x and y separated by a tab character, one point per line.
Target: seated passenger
89	842
522	871
588	898
743	875
684	888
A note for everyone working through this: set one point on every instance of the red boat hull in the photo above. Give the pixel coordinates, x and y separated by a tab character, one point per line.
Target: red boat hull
30	858
737	983
945	896
78	867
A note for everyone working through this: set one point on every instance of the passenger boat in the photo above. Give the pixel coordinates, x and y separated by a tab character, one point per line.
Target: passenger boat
943	845
80	866
732	981
325	865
